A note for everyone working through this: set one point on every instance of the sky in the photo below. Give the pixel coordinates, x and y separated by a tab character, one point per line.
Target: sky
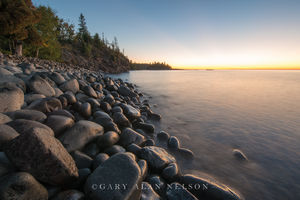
195	33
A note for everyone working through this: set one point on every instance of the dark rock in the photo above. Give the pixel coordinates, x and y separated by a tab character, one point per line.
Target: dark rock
88	90
119	169
94	103
148	193
155	116
86	110
131	112
239	155
80	134
133	148
58	92
63	100
40	86
43	156
62	113
105	106
177	192
121	120
6	135
21	186
28	114
6	166
70	97
209	190
91	149
24	126
114	150
82	97
186	153
129	136
99	159
144	126
108	139
157	183
12	81
157	157
29	98
57	78
71	85
4	118
171	172
46	105
11	98
149	142
173	142
109	99
69	195
125	91
143	167
117	109
82	160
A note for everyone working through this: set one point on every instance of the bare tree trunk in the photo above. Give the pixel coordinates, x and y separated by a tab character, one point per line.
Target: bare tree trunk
19	48
37	52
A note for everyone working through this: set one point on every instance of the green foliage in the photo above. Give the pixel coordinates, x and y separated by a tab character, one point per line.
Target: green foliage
150	66
66	32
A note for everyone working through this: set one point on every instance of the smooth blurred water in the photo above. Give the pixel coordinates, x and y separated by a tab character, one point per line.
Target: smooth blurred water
213	112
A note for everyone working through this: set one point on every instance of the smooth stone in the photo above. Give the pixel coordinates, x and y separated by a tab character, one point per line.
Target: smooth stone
148	193
39	85
149	142
94	103
6	135
143	167
64	113
6	166
46	105
69	195
24	126
125	91
173	143
186	153
107	124
155	116
114	150
83	175
43	156
91	149
129	136
80	134
11	98
97	86
171	172
157	157
109	99
108	139
209	190
59	123
105	106
71	99
4	118
102	115
149	128
88	90
4	72
21	186
58	92
121	120
63	100
29	98
82	160
119	169
82	97
117	109
57	78
177	192
158	184
131	112
12	81
71	85
99	159
28	114
86	110
133	148
239	155
162	135
76	106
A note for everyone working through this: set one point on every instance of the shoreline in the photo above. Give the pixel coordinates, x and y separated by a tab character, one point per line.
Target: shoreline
65	130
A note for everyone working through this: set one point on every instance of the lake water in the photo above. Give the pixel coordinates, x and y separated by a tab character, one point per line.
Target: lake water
214	112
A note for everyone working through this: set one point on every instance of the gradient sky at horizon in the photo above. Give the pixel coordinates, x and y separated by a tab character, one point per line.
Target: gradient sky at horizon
195	33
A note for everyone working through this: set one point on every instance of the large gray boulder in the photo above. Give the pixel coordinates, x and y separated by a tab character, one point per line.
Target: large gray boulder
28	114
39	85
71	85
157	157
121	169
81	134
43	156
46	105
11	98
21	186
59	123
129	136
6	135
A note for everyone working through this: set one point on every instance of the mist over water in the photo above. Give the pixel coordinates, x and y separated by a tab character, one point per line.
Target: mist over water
214	112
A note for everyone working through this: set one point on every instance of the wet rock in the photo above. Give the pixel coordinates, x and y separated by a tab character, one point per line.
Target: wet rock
148	193
23	126
173	142
43	156
40	86
171	172
129	136
209	190
177	192
28	114
155	116
157	157
6	135
144	126
186	153
69	195
4	118
143	167
11	98
157	183
239	155
131	112
114	150
46	105
82	160
99	159
121	120
133	148
71	85
119	169
21	186
125	91
88	90
80	134
57	78
108	139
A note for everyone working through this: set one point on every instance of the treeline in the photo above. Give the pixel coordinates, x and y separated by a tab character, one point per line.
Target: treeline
150	66
39	32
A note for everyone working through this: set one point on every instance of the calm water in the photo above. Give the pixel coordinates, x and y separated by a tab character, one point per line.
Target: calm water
213	112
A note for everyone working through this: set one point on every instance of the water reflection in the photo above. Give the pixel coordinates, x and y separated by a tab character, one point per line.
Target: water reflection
213	112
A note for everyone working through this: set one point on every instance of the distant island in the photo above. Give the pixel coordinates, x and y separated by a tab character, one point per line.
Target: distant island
150	66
